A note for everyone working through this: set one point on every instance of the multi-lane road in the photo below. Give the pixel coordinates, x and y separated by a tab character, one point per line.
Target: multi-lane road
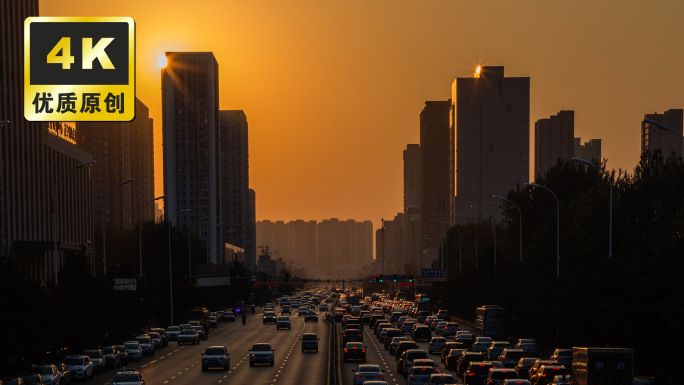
181	365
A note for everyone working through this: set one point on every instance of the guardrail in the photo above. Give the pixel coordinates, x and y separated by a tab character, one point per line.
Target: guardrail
334	370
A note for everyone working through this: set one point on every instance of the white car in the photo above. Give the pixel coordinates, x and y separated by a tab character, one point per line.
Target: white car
217	357
128	377
365	373
50	374
283	323
80	367
172	332
261	354
133	350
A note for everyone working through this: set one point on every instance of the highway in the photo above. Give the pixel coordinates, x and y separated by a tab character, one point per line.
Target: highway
181	365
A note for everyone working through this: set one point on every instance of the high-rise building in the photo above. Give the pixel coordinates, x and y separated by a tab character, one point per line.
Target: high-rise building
302	243
234	169
122	150
33	156
344	245
410	247
190	130
590	150
553	139
436	176
655	138
250	251
491	118
412	176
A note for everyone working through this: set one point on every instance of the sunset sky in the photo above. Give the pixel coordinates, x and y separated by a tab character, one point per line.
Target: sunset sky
333	89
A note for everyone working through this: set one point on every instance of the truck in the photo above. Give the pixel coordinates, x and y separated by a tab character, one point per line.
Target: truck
602	366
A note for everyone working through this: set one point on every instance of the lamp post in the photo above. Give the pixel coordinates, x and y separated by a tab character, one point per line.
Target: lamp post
168	220
661	126
140	227
55	257
189	254
519	214
104	233
610	183
493	226
557	226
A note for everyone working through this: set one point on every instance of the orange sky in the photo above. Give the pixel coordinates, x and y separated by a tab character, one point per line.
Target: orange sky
333	89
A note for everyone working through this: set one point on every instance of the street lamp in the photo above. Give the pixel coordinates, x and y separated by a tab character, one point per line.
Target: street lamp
104	248
55	257
661	126
610	183
557	225
493	226
189	254
168	219
519	214
140	227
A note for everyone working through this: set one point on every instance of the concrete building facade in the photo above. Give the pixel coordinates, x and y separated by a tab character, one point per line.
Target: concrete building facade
250	253
191	135
436	176
491	118
553	139
654	138
590	150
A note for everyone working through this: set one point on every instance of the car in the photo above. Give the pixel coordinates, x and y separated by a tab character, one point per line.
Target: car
350	335
80	367
146	344
133	350
128	377
395	343
50	374
477	372
354	323
407	357
98	359
430	319
421	362
228	315
172	332
421	332
481	344
215	357
516	381
438	327
510	357
562	357
395	316
188	336
452	357
311	316
112	355
408	325
66	373
448	346
283	322
309	342
497	376
364	373
123	354
450	329
436	344
261	353
302	311
404	346
465	359
529	345
184	326
421	316
285	309
546	373
418	375
441	378
380	326
356	311
329	300
213	322
354	351
443	315
32	378
200	332
375	319
270	317
495	349
466	339
390	333
532	373
156	339
162	334
523	366
12	381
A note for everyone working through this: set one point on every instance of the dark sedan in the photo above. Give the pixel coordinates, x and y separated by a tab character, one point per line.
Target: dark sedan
354	351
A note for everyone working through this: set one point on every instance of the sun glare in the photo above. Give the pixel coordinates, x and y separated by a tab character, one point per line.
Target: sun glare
162	61
477	71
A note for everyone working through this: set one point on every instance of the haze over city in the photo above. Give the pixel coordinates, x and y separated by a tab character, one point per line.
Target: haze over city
333	90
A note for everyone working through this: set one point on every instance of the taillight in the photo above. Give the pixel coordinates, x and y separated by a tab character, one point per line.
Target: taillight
471	374
379	376
346	351
358	376
363	351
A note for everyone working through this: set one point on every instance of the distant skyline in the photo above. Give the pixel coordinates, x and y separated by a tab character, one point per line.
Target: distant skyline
333	91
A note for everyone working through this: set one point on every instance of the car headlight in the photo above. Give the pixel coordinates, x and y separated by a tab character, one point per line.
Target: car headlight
252	355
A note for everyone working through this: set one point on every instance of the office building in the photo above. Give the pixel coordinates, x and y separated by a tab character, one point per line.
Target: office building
653	138
590	150
412	176
491	118
234	170
436	176
33	156
190	130
553	140
410	246
250	251
122	151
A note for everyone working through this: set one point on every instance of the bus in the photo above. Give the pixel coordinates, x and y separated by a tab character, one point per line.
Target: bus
422	302
490	321
199	314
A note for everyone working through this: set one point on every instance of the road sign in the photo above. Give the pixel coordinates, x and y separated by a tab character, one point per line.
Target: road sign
433	274
79	69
